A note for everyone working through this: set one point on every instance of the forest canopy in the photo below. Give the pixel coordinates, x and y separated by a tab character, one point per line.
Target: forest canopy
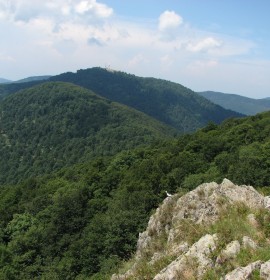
82	221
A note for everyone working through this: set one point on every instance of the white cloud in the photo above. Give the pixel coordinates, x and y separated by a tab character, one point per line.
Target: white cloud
7	58
25	10
169	20
204	45
199	65
91	6
137	59
54	36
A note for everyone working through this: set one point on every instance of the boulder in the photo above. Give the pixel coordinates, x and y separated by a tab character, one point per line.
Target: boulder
265	271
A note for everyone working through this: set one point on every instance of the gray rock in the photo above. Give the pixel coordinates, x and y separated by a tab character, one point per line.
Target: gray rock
243	273
265	271
267	202
252	220
249	243
198	257
230	252
201	206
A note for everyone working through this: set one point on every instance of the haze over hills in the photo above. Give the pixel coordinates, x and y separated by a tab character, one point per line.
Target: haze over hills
33	78
25	80
238	103
2	81
57	124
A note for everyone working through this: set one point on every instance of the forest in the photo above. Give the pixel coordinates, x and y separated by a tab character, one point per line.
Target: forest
81	221
167	102
57	124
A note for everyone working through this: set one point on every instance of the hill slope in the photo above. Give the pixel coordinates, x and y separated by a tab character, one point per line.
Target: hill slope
33	78
85	219
238	103
13	87
57	124
168	102
2	80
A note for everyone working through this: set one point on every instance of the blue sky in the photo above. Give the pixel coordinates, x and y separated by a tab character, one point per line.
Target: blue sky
203	44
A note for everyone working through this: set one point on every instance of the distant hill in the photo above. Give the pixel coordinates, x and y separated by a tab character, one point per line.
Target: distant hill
2	81
34	78
10	88
14	86
238	103
166	101
57	124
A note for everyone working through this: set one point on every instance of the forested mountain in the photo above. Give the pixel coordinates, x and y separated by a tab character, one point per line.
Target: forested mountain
82	221
238	103
33	78
10	88
57	124
166	101
2	80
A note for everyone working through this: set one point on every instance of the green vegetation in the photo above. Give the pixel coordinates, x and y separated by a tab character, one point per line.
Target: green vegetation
166	101
10	88
238	103
54	125
233	225
82	221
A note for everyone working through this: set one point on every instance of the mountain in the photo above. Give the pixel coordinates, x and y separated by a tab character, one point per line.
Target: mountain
217	231
238	103
83	221
34	78
10	88
2	81
166	101
56	124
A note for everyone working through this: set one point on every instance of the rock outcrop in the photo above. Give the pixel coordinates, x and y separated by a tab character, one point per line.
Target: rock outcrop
180	241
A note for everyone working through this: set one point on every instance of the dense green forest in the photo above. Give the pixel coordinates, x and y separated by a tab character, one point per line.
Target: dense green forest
168	102
56	124
10	88
82	221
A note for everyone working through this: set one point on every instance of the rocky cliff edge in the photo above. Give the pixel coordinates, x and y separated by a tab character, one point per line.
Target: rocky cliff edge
216	231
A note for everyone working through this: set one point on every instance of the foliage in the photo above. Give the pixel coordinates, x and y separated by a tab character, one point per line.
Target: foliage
83	220
168	102
54	125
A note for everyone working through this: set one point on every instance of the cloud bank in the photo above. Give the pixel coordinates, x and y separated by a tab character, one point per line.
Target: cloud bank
50	37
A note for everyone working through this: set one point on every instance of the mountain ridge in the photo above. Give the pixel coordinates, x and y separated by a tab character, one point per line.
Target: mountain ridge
33	78
56	124
166	101
238	103
3	80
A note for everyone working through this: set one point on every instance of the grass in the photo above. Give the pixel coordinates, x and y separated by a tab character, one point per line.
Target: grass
232	224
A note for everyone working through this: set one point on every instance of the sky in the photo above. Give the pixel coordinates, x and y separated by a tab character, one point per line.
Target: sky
219	45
